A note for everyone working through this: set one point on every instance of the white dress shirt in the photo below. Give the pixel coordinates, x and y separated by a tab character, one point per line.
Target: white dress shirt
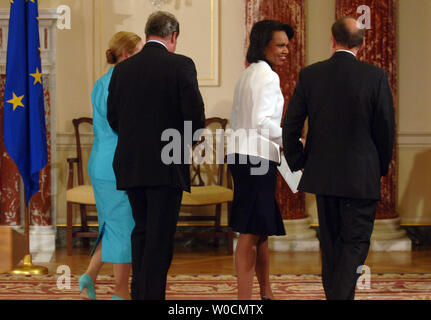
348	51
159	42
256	113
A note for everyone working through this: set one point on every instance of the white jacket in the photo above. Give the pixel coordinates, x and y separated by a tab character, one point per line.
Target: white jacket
256	114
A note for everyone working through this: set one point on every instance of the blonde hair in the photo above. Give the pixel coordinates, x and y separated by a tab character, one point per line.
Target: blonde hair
120	42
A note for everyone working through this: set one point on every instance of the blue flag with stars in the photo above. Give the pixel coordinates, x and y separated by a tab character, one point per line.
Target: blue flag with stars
24	130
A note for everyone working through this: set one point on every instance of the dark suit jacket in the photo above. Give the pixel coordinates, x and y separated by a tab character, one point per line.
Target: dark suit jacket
350	137
150	92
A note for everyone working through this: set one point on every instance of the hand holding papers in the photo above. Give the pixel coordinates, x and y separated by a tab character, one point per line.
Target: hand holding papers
292	178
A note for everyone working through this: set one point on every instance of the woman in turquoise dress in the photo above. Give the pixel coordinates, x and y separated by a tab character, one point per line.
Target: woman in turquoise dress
113	208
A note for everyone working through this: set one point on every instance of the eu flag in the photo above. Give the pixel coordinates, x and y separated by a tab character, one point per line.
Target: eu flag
24	128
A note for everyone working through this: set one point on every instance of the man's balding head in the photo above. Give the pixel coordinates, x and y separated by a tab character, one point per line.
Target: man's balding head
348	33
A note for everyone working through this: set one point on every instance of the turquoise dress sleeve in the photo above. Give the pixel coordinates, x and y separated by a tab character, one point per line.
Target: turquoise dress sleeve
105	139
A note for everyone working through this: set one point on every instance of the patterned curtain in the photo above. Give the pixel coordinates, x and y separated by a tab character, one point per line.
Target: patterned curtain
10	179
291	205
380	50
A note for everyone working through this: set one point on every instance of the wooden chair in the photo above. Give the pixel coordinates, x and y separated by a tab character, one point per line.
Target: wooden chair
81	194
213	192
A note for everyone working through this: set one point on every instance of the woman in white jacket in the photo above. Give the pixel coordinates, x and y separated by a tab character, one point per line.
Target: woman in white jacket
255	120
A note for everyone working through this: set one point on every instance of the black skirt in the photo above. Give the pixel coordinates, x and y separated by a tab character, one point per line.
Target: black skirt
255	209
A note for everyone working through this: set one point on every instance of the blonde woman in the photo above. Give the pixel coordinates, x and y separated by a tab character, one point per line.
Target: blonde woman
113	208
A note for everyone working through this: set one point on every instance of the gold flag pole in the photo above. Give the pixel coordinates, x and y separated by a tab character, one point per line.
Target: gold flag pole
27	267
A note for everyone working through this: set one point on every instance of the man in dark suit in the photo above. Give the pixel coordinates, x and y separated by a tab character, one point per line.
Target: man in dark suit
151	92
348	149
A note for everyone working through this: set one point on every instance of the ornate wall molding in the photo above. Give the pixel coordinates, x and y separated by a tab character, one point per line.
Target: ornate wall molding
66	141
414	139
209	79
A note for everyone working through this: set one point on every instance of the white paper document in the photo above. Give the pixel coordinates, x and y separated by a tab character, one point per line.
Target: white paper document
292	178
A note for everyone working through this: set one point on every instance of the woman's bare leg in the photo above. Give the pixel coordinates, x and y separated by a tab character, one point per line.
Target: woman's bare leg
121	274
93	268
95	263
262	268
245	262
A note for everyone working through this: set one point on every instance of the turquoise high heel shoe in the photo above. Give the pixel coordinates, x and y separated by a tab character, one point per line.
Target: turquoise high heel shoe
86	284
116	298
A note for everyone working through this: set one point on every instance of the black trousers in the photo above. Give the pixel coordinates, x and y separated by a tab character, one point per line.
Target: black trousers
345	227
155	211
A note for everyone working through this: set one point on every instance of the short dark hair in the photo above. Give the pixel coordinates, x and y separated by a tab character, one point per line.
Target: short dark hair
261	35
345	37
162	24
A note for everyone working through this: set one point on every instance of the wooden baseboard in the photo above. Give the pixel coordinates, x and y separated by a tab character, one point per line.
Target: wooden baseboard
12	248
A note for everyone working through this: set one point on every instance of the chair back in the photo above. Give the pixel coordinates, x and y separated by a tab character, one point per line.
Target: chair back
76	125
212	166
